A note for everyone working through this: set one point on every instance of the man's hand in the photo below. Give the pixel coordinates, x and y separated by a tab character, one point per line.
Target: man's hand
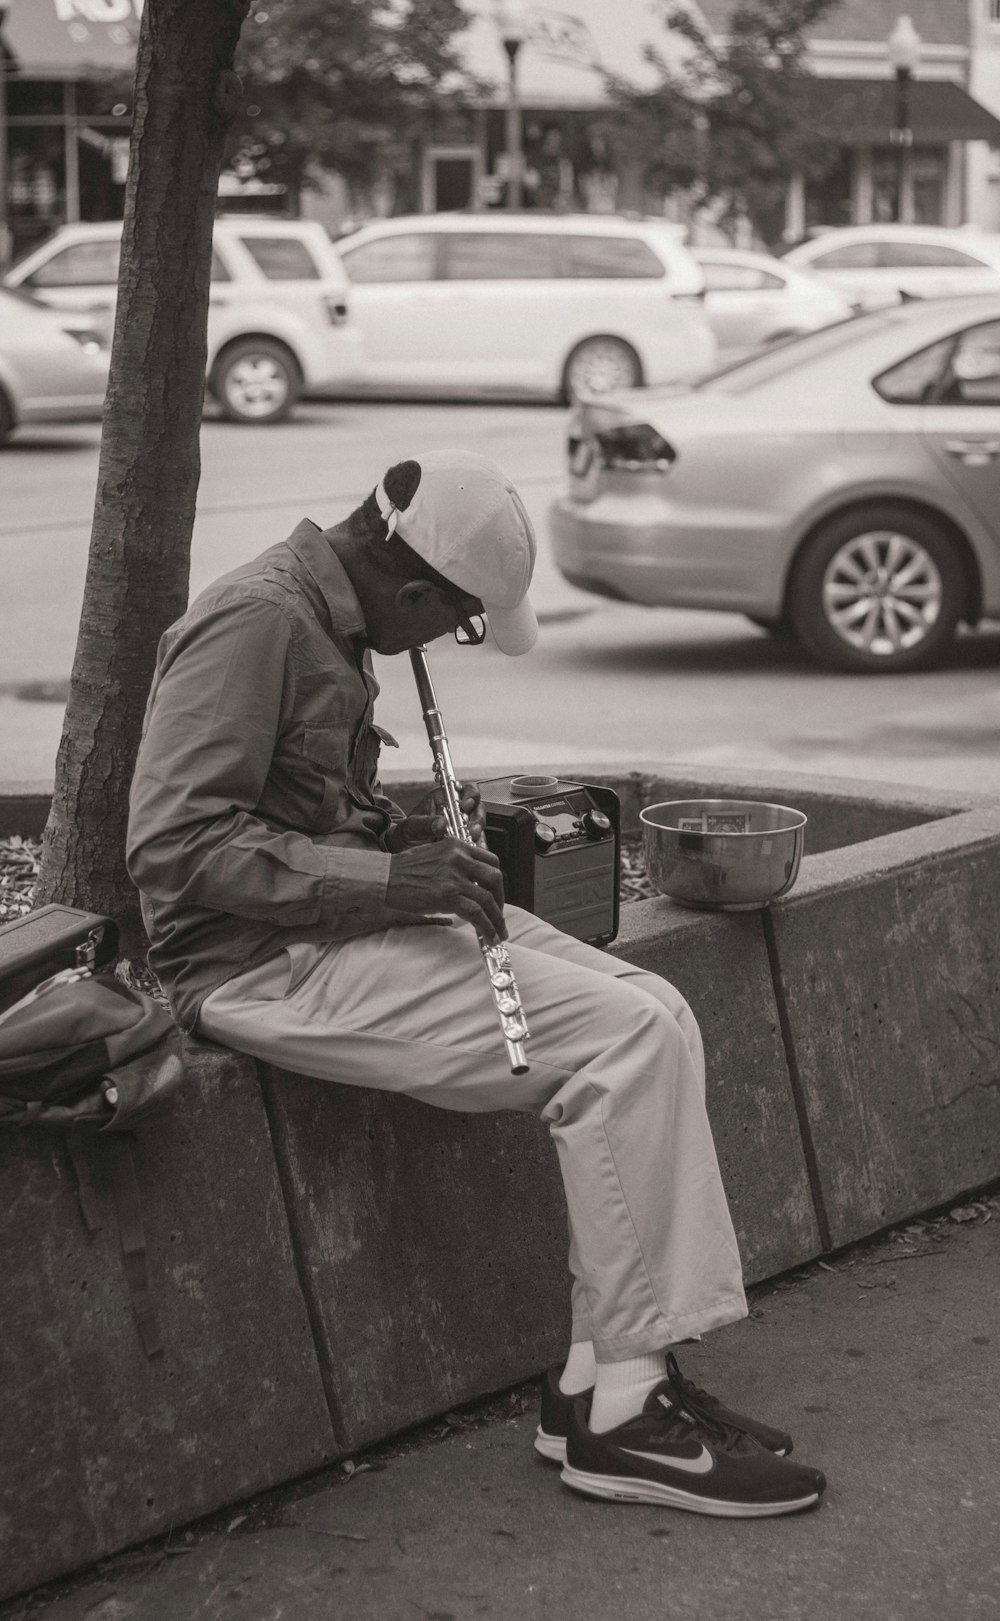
427	821
448	875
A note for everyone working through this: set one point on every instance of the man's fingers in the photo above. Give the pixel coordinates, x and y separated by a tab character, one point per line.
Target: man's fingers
482	911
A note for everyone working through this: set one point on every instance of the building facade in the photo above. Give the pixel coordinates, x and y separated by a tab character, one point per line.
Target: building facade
69	66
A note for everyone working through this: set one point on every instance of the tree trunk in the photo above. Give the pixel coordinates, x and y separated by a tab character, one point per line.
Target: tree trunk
186	94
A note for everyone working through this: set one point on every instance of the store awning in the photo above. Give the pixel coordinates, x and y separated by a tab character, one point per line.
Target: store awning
64	39
861	112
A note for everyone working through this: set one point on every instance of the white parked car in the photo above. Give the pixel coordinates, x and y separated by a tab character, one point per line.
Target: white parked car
52	368
752	299
557	305
878	265
278	322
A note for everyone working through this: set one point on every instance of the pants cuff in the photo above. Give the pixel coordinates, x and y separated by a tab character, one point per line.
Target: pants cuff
668	1331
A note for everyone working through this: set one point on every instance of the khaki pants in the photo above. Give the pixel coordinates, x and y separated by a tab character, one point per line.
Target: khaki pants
616	1069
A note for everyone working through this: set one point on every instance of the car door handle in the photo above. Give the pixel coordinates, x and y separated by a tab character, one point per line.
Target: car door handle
974	452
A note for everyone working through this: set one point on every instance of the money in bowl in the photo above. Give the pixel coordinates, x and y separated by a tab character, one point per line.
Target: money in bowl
726	855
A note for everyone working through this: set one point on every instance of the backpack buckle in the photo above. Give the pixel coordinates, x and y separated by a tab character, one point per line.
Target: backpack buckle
86	951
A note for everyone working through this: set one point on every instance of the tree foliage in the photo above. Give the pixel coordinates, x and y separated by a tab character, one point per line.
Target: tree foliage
342	84
731	118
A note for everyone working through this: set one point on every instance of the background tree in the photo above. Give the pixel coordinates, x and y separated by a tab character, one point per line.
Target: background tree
732	121
347	85
186	95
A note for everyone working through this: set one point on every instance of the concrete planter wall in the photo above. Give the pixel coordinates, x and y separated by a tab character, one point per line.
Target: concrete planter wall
331	1266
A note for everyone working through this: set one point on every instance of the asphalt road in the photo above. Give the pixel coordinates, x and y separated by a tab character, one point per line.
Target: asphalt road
608	685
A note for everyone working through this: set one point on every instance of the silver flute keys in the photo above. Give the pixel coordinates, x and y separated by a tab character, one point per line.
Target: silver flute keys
495	958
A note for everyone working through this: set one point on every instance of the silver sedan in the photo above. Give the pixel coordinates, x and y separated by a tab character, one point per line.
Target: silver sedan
53	367
843	487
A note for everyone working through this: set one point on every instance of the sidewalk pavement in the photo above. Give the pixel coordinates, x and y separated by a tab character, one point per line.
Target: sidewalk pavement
883	1363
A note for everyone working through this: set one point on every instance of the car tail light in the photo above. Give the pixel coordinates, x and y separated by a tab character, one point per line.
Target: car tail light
635	448
336	310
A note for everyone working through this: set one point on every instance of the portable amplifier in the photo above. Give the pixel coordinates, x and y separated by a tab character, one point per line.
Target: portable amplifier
559	848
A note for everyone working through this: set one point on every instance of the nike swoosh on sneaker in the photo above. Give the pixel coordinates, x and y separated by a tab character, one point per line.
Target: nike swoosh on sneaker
694	1466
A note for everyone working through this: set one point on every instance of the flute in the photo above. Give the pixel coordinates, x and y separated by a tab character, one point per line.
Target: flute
495	958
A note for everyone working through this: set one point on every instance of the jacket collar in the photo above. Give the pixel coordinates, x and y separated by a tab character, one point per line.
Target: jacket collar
311	546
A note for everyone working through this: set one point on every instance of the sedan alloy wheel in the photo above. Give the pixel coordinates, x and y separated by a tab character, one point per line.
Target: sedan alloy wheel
879	589
882	593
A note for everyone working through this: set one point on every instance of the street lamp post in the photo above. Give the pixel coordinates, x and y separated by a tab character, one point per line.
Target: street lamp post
512	23
5	237
903	45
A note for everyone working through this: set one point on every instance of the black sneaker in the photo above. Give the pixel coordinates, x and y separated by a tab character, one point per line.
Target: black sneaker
557	1409
675	1458
550	1437
700	1402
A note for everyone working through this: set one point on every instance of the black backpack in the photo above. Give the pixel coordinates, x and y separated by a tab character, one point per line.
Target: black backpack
82	1052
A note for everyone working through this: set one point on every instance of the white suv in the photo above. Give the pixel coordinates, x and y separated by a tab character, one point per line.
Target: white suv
876	265
561	305
278	320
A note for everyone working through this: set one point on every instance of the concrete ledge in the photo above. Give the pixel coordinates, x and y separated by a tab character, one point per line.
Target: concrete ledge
433	1246
100	1447
331	1265
889	965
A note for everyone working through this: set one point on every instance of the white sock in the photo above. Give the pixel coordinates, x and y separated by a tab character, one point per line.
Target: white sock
580	1370
621	1388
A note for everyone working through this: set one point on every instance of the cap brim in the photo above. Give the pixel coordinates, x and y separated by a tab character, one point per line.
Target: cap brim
515	630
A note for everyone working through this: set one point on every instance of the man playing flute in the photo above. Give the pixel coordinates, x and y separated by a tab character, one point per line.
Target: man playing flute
296	914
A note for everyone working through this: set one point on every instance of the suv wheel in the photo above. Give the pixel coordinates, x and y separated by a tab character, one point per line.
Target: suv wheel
881	588
256	380
600	365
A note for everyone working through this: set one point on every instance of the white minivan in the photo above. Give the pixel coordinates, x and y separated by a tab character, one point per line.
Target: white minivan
279	322
559	305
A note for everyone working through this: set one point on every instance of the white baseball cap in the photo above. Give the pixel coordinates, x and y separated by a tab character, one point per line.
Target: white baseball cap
467	520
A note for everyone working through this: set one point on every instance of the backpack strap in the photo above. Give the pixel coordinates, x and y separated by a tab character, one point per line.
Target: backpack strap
133	1239
116	1151
85	1191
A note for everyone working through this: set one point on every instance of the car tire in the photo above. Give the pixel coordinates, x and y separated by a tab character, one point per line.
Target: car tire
7	418
256	381
600	366
878	589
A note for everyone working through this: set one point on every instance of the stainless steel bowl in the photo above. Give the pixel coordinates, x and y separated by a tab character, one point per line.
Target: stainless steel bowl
727	855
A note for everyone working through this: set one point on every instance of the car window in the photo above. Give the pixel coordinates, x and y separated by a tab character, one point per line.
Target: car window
914	380
742	375
499	256
219	271
897	255
974	370
849	256
81	264
391	258
732	278
614	256
282	258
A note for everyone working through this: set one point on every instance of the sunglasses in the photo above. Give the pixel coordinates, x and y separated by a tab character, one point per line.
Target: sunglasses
470	631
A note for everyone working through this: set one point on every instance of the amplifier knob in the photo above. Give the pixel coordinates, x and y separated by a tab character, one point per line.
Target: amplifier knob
595	824
545	837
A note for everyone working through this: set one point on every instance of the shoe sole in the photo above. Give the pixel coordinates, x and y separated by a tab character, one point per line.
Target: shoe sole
552	1447
623	1489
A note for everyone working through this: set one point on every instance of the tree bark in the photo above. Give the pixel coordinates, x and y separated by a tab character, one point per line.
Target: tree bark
186	95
